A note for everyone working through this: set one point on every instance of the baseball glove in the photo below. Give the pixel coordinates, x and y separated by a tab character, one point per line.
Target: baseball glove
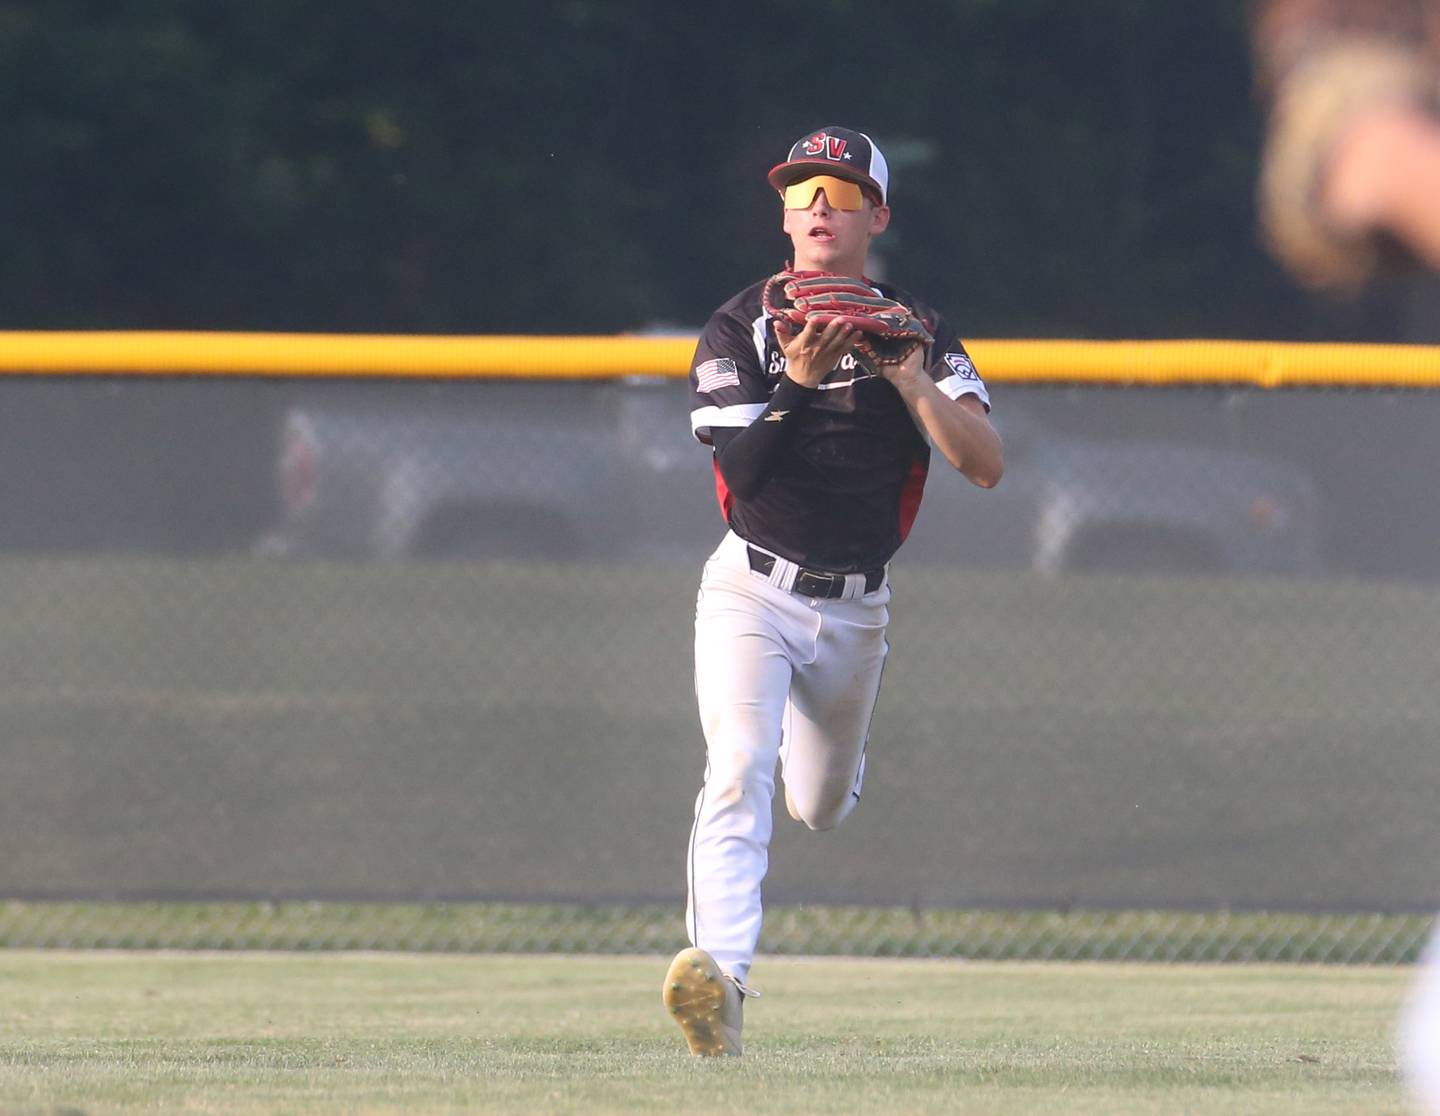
888	330
1321	63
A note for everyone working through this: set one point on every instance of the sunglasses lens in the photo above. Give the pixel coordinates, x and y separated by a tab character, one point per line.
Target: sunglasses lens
838	192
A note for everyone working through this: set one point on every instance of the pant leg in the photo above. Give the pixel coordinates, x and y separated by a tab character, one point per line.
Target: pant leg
1419	1037
742	676
832	702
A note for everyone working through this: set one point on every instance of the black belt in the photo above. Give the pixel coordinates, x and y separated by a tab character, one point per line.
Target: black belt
814	583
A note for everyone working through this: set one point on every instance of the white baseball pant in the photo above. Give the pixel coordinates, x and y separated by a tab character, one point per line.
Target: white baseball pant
779	677
1420	1031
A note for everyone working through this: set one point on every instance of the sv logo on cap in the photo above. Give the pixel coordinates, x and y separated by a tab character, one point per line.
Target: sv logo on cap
832	147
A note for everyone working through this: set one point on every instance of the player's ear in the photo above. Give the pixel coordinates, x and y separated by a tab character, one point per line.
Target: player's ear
879	219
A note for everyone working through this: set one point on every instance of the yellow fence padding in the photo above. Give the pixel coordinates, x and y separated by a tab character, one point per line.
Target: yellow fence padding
335	354
1258	363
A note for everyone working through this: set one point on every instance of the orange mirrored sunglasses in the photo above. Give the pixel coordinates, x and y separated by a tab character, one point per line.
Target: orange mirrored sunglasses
840	193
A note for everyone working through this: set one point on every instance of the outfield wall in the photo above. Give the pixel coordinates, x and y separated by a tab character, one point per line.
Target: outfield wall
257	650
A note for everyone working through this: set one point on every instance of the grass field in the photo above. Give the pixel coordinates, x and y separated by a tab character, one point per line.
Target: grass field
98	1033
243	728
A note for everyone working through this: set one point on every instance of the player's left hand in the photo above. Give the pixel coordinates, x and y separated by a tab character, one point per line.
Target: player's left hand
908	370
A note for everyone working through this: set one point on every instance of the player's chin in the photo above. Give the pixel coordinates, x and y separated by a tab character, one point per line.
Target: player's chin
818	254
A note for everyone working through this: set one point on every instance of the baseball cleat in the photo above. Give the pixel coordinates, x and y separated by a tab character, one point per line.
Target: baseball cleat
705	1003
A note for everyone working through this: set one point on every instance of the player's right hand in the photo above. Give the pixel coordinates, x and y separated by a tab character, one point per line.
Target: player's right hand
813	353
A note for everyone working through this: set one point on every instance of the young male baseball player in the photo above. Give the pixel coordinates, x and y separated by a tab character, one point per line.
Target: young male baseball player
821	448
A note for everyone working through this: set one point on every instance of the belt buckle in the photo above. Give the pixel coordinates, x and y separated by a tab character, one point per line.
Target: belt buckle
810	583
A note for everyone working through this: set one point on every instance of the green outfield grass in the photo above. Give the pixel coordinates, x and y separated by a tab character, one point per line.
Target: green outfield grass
317	1034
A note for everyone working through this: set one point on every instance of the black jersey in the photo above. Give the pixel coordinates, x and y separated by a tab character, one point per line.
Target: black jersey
846	487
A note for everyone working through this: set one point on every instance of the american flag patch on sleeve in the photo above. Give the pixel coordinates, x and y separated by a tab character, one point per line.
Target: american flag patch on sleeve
716	374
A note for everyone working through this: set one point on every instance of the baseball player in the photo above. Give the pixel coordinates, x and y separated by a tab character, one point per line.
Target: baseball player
822	439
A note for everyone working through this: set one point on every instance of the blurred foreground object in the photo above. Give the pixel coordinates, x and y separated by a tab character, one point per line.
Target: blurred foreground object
1420	1032
1350	176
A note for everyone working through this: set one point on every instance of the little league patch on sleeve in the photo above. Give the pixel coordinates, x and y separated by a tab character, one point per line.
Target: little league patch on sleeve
716	374
960	364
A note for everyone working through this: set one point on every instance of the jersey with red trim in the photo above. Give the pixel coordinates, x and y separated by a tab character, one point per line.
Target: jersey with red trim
845	489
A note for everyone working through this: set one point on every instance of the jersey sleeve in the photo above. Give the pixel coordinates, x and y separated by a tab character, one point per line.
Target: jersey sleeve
728	387
952	369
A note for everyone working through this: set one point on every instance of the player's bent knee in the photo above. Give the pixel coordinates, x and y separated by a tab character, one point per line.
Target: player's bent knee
825	815
829	819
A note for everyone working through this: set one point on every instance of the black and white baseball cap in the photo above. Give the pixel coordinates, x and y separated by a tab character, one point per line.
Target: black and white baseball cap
842	152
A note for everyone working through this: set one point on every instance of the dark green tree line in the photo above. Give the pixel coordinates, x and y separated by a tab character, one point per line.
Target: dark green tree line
576	165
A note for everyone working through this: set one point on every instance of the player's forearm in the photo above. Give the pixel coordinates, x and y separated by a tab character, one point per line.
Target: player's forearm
964	437
746	457
966	440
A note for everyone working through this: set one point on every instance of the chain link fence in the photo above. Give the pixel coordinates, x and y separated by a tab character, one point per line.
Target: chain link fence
401	648
1170	936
